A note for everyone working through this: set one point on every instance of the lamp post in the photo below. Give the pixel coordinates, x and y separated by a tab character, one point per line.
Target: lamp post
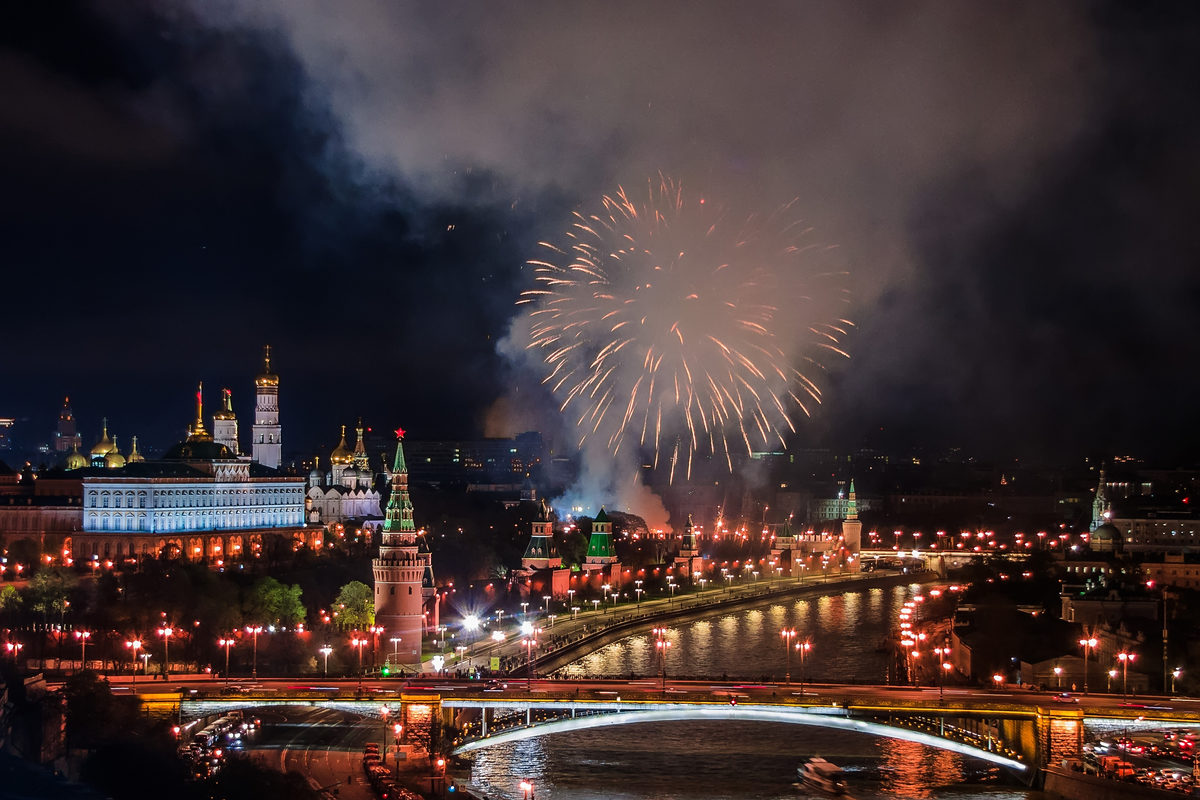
661	645
254	630
83	637
942	653
165	632
375	631
325	651
787	634
574	612
145	663
383	715
396	640
638	591
607	588
360	642
1175	675
1058	676
134	645
530	642
1112	673
1125	658
803	648
1087	645
546	602
226	643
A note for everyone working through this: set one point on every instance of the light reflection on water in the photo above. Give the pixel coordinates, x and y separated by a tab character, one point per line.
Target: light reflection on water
742	760
845	630
724	761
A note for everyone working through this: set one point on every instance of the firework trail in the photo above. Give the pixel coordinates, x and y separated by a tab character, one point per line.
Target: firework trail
661	317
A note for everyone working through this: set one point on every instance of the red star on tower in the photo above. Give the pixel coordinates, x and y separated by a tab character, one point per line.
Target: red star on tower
399	433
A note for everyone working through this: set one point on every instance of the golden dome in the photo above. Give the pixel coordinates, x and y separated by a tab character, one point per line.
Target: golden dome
114	459
134	456
266	377
75	459
105	445
341	454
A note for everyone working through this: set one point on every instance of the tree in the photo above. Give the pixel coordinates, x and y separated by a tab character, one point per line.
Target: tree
48	592
10	600
274	603
355	605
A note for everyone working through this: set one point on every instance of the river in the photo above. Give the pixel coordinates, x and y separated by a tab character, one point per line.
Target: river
739	761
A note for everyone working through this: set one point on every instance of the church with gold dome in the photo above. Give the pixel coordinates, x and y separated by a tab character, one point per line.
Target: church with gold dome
349	489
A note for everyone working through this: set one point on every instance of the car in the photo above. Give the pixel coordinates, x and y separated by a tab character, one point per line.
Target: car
1065	697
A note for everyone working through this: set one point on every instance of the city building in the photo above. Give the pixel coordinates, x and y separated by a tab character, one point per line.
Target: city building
405	597
66	436
199	502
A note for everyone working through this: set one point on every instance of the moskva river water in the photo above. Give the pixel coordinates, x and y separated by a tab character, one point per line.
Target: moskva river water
738	761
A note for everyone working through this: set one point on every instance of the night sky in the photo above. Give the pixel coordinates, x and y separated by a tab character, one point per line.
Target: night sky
1013	188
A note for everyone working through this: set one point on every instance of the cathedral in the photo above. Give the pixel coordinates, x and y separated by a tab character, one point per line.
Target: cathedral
348	491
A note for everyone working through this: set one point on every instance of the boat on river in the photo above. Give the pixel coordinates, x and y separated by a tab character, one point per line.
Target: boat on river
821	774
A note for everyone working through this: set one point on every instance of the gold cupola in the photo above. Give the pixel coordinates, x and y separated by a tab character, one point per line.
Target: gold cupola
75	459
134	456
266	377
197	432
341	455
102	447
114	459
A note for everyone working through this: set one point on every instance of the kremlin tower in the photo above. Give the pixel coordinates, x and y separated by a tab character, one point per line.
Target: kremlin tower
851	526
403	573
225	426
267	446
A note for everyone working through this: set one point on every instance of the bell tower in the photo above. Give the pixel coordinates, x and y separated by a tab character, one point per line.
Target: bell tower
267	444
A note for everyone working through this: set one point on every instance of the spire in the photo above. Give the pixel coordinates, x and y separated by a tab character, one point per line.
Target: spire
267	378
398	518
852	503
266	359
198	432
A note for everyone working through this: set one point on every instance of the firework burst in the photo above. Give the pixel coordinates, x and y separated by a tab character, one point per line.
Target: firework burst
668	325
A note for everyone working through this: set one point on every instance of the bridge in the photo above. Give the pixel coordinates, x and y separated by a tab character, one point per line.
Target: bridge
1019	730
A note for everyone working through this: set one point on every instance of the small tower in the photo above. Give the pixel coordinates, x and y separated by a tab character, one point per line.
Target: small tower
851	527
600	552
541	553
1101	507
225	426
401	569
341	460
361	460
688	560
267	435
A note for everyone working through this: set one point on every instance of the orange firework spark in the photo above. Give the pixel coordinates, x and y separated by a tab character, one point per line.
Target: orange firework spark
664	320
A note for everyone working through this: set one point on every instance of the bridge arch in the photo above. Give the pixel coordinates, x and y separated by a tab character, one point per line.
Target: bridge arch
740	714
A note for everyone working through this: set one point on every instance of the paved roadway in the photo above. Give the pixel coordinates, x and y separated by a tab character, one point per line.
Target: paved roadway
322	744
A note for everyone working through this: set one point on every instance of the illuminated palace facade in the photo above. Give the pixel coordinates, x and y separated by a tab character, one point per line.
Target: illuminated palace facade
201	502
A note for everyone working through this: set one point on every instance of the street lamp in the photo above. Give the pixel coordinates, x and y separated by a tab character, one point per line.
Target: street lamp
529	642
638	590
526	790
546	601
1088	645
254	630
803	648
787	634
1125	658
360	643
942	653
1058	676
383	715
1175	675
1112	674
165	632
134	645
574	612
325	650
607	588
226	643
83	637
375	631
661	645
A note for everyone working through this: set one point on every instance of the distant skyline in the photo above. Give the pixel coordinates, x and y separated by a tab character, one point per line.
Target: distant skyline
1011	190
